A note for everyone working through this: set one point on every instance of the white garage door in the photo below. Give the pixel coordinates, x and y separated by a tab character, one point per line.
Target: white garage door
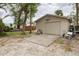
53	28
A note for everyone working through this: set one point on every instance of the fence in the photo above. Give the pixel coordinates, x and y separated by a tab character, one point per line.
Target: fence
27	28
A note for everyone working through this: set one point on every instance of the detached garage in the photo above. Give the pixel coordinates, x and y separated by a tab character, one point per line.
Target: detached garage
52	24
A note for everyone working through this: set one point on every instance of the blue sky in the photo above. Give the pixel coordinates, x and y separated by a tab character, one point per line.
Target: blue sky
46	8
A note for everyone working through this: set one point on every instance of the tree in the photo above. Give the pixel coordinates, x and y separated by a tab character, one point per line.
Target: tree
21	12
76	14
23	9
2	5
59	12
2	26
15	13
32	11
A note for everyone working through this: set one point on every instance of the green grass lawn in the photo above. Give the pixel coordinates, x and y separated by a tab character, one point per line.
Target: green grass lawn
14	34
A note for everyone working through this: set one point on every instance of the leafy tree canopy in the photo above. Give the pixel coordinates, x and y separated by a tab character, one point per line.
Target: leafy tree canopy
59	12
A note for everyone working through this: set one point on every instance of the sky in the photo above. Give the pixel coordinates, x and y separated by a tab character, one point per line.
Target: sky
51	8
47	8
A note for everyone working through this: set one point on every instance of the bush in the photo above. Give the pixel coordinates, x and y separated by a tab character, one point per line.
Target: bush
2	26
2	34
7	29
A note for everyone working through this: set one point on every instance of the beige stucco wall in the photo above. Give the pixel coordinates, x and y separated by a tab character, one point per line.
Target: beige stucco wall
58	25
64	26
41	25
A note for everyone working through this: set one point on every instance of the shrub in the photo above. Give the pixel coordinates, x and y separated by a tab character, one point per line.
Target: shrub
2	34
7	29
2	26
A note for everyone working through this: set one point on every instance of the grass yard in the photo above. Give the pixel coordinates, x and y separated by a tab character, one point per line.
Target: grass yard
59	41
14	34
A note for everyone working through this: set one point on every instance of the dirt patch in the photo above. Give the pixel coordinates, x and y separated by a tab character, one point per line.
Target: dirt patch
59	41
21	46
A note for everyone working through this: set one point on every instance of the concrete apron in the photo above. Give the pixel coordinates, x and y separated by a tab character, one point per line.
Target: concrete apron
44	40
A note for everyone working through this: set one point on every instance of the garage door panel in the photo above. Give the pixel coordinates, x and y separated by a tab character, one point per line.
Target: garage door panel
53	28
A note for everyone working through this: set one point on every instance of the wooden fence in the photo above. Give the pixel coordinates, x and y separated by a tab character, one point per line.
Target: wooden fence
27	28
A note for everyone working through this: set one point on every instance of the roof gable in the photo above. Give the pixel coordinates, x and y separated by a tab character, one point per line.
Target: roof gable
47	15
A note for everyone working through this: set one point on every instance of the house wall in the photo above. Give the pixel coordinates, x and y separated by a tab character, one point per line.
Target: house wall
41	25
64	26
59	28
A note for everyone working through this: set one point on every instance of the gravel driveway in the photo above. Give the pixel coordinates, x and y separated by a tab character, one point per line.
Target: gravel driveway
10	46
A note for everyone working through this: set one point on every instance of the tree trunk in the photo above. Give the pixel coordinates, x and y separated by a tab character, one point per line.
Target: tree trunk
30	17
18	26
24	23
77	14
18	23
30	24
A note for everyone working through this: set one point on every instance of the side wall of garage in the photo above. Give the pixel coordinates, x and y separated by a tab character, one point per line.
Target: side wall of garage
64	26
41	25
